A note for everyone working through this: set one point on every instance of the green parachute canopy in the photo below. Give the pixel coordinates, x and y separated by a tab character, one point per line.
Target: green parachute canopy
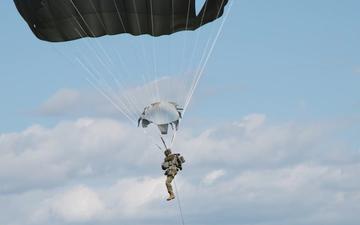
65	20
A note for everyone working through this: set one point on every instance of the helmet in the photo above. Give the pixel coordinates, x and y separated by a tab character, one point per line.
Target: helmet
167	152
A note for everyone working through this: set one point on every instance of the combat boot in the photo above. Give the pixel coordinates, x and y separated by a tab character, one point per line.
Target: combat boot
171	197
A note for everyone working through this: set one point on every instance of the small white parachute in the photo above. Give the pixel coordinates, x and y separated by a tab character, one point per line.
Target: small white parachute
161	114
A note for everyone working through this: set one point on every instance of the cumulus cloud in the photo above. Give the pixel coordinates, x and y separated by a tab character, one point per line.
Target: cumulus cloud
251	122
213	176
38	157
71	102
93	170
77	204
125	199
112	99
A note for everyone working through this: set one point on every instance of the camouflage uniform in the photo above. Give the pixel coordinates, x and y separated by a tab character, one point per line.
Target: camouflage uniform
172	166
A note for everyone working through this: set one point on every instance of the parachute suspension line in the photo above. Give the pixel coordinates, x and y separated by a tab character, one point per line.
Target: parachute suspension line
173	139
112	102
102	91
158	147
107	96
113	76
194	49
188	15
107	55
154	53
205	56
92	48
196	45
122	62
188	63
125	111
126	98
171	38
198	75
104	85
134	52
133	100
119	15
185	36
144	51
152	139
179	203
94	77
89	28
212	40
163	141
203	66
104	28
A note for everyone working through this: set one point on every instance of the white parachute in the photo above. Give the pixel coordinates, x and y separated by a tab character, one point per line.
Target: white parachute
162	114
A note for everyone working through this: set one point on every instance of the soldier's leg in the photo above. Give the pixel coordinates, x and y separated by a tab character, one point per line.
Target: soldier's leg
169	179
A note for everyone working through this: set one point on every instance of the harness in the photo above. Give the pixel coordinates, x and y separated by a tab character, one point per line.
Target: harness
172	164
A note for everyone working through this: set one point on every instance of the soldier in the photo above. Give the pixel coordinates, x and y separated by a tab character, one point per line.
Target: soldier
172	164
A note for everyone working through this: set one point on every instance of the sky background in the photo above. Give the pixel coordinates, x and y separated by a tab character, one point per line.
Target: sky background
271	135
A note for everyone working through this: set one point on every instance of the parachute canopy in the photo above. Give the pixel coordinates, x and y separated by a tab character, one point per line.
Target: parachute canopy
162	114
65	20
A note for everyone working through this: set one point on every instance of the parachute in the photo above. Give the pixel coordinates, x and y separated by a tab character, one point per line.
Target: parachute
162	114
150	71
65	20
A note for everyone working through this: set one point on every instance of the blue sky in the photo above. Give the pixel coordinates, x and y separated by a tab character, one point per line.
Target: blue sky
274	122
291	60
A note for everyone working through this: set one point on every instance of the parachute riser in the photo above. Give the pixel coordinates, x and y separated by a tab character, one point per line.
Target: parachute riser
162	139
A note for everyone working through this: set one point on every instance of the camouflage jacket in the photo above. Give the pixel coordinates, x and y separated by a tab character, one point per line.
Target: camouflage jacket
171	164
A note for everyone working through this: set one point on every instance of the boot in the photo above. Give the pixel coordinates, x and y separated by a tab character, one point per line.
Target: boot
171	197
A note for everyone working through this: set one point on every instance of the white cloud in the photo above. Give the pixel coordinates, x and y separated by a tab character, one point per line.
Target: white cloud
125	199
71	102
106	171
63	99
251	140
77	204
211	177
111	100
251	122
132	197
70	149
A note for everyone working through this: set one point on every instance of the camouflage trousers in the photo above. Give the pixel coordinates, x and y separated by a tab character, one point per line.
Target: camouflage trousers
170	175
169	179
